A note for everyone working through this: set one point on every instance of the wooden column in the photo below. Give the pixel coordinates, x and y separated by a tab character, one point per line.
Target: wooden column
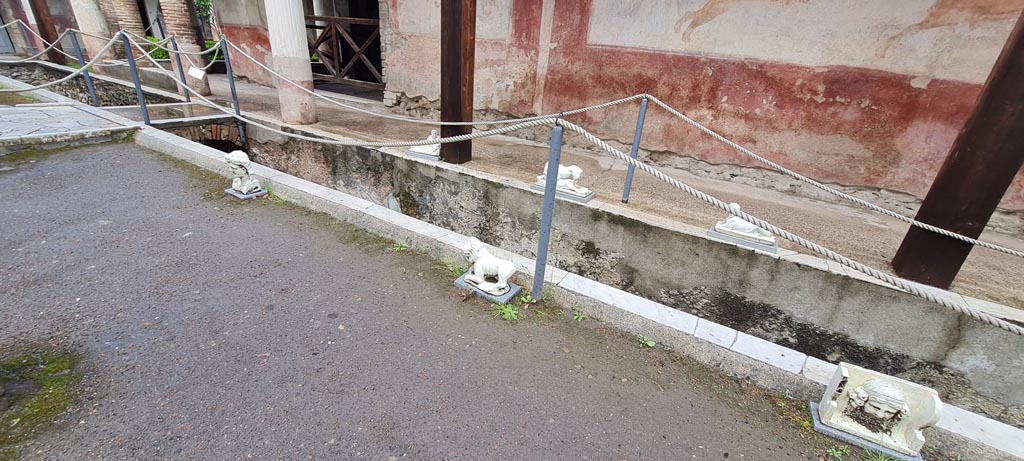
45	23
458	41
981	165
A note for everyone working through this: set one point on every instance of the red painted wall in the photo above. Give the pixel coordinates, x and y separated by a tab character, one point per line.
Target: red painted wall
775	109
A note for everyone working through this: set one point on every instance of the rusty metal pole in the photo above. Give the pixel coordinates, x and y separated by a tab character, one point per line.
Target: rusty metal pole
46	29
981	165
458	41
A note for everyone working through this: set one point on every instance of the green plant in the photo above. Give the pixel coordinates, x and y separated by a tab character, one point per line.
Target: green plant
155	52
400	247
578	316
875	456
546	296
838	453
526	299
217	55
507	312
454	267
646	343
204	9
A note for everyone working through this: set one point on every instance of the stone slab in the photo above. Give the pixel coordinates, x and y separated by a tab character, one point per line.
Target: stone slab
422	156
769	352
773	249
629	302
853	440
240	196
818	370
462	284
566	196
714	333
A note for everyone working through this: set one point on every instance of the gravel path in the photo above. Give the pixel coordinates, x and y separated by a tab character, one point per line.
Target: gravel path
214	329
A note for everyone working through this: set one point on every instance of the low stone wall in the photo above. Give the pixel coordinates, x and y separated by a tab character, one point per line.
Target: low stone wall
108	93
824	315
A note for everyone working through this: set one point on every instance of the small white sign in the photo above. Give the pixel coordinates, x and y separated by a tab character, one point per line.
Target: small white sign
196	73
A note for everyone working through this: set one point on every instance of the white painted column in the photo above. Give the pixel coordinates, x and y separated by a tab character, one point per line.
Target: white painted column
90	19
286	25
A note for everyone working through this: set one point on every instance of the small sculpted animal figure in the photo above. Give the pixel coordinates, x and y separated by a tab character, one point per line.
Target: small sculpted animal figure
239	163
487	265
566	179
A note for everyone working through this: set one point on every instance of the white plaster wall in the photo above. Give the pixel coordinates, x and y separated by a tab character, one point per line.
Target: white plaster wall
947	39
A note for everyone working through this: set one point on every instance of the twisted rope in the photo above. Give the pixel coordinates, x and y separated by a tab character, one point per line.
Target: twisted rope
838	193
427	122
85	67
37	55
871	272
832	255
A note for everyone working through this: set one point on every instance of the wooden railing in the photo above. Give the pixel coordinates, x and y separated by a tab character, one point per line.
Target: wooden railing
334	40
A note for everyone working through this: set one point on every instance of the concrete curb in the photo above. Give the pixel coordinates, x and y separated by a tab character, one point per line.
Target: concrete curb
764	362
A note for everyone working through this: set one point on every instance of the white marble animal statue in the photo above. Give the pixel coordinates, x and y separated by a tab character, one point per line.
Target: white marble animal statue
239	163
738	227
566	179
486	265
429	149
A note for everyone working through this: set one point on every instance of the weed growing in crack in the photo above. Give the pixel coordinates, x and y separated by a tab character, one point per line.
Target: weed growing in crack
646	343
506	312
837	453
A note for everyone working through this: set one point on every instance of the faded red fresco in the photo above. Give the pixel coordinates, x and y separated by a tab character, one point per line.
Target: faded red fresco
256	42
903	132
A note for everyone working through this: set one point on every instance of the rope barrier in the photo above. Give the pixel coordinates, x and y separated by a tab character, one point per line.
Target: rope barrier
838	193
518	124
35	56
832	255
427	122
70	76
686	119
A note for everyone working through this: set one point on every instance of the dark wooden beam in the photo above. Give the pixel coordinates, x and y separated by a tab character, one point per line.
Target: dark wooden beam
47	30
458	43
981	165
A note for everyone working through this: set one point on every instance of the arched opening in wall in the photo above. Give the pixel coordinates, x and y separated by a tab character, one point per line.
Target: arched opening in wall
345	47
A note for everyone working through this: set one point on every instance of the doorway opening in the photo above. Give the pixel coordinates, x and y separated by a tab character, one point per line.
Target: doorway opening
344	44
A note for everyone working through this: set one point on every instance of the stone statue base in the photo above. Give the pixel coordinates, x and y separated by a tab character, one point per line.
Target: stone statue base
423	155
464	285
820	427
565	194
743	241
240	196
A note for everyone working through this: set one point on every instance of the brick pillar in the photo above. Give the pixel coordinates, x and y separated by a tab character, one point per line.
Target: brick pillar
90	19
179	17
128	16
286	25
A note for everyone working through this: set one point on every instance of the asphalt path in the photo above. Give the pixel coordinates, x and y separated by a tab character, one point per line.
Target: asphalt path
215	329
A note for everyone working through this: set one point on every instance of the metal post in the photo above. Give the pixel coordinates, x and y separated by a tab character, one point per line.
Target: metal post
135	77
636	147
547	211
85	72
234	94
181	70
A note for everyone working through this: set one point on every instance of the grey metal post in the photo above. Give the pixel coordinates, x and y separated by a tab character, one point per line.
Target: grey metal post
547	211
85	73
231	83
135	77
181	71
635	149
